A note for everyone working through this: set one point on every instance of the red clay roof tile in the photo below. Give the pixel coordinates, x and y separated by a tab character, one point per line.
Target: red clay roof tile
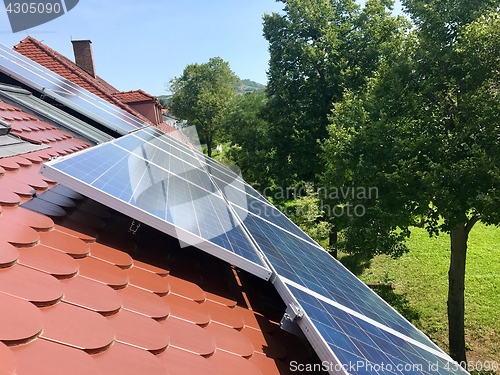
189	336
48	260
148	267
187	309
21	320
21	161
186	289
223	315
148	281
9	185
110	255
135	96
72	229
43	357
17	234
65	243
8	361
270	366
30	285
144	302
181	362
230	340
122	359
7	197
9	164
79	328
91	295
139	331
265	343
8	254
231	364
255	320
34	181
103	272
220	299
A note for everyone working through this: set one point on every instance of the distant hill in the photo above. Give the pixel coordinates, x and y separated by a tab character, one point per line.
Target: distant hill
164	100
247	85
244	86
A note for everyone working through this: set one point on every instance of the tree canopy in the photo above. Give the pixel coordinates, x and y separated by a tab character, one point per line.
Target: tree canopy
200	95
248	132
318	49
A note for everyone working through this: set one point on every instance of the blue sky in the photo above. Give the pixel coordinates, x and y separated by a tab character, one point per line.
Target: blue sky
145	43
142	44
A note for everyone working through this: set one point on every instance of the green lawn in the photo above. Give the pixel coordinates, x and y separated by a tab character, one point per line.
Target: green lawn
420	280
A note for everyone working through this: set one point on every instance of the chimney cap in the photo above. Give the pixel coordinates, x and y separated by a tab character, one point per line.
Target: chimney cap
81	40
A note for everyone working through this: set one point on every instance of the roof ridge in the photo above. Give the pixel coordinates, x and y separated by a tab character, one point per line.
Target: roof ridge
125	96
68	63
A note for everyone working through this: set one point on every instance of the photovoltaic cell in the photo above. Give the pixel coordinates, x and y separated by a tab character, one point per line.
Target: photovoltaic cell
162	158
265	211
66	92
370	349
170	145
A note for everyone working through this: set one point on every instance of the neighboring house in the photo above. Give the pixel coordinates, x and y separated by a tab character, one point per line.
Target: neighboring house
169	119
83	292
83	73
140	101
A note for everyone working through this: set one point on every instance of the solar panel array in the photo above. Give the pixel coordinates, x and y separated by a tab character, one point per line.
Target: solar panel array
66	92
165	186
161	181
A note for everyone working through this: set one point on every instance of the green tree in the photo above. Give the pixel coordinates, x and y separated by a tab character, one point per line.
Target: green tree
426	132
200	95
306	212
248	133
318	49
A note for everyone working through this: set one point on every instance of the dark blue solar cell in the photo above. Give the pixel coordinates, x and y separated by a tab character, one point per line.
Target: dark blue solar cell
263	210
88	168
376	350
167	143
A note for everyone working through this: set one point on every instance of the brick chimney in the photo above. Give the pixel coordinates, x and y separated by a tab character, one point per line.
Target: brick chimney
83	55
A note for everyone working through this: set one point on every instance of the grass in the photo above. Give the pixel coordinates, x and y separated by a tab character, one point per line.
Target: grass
420	278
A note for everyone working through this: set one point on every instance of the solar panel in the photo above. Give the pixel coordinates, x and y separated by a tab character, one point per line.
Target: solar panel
160	181
66	92
155	187
362	346
315	270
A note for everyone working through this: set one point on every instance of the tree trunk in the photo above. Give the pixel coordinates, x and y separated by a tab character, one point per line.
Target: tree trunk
456	288
209	146
332	241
